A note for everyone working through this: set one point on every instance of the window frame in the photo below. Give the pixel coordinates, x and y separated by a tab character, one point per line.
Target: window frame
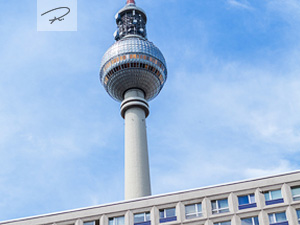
298	215
165	219
274	215
196	213
218	210
147	218
222	223
271	199
93	222
295	197
252	220
250	203
114	219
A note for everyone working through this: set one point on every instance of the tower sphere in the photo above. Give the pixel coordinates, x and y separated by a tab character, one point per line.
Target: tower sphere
132	62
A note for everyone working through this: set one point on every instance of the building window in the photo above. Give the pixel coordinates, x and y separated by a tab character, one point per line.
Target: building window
223	223
91	223
192	211
273	197
116	220
219	206
298	215
296	193
166	215
278	218
246	201
142	218
250	221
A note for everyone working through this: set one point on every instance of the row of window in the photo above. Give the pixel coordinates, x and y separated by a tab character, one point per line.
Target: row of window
245	221
192	211
217	206
133	56
134	65
274	219
244	201
271	197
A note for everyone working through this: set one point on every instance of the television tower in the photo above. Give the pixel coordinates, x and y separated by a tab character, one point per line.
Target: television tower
133	71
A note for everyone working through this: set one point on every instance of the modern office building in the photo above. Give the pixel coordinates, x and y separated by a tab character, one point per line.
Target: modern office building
273	200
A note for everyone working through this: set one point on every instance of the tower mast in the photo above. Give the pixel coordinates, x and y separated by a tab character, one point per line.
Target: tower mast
133	71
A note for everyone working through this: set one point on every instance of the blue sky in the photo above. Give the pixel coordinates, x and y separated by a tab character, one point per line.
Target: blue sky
229	109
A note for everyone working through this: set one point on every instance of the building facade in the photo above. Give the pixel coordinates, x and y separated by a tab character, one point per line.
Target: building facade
273	200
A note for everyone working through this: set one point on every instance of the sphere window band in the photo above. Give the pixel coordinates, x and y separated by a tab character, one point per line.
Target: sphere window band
133	65
133	56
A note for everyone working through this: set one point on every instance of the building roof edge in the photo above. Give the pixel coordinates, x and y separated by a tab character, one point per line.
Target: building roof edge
149	197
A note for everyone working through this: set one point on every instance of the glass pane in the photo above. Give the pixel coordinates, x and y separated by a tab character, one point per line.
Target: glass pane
139	218
226	223
280	217
111	221
296	191
252	198
89	223
190	209
243	200
223	203
276	194
199	207
267	196
148	216
247	221
119	220
170	212
161	214
256	220
271	218
213	205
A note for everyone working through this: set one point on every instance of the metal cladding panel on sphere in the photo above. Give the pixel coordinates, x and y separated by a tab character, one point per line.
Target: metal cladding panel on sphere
133	62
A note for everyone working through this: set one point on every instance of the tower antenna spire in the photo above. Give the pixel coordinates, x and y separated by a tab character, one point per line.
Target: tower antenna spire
130	1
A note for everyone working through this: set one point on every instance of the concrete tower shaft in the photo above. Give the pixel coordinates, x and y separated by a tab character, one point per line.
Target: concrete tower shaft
134	110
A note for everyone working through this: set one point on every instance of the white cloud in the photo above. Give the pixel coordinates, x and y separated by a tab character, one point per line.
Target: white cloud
281	166
244	4
288	9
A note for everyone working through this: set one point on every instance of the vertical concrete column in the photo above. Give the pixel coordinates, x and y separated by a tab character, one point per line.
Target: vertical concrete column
208	222
232	202
259	198
263	218
180	212
154	215
208	207
235	220
286	193
205	207
135	109
79	222
128	218
104	220
291	216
